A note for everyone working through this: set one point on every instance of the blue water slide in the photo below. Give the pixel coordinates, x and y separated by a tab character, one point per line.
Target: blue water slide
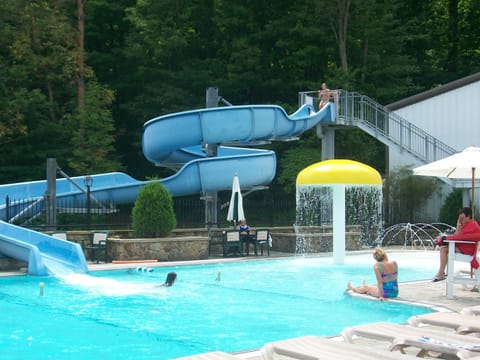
241	124
177	141
44	254
197	176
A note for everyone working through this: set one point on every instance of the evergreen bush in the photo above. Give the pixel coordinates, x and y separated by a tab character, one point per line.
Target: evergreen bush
153	214
450	207
405	194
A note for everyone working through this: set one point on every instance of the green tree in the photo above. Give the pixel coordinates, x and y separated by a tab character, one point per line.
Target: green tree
38	58
293	161
152	57
38	94
443	39
152	214
354	144
93	145
449	210
405	193
371	41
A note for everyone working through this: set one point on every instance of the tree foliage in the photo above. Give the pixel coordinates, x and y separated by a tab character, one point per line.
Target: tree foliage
152	57
38	106
152	214
450	207
294	160
405	194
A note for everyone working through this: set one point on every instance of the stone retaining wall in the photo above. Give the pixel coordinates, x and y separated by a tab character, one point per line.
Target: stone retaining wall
193	244
162	249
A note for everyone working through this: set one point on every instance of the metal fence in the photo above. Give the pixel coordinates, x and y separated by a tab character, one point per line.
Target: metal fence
263	210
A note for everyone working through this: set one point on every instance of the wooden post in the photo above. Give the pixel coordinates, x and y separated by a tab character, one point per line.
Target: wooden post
211	197
51	194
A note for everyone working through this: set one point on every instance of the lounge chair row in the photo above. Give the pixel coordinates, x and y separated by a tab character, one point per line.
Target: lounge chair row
471	310
462	324
418	334
401	337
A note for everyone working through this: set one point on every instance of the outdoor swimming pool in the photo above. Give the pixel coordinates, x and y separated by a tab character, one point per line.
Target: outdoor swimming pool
122	314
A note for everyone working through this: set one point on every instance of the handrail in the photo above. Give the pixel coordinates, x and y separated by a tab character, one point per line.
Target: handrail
26	210
355	109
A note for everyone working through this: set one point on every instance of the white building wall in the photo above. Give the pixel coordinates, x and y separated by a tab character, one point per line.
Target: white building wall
452	117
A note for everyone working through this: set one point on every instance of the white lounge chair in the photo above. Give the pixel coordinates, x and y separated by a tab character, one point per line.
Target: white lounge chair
462	324
232	241
316	347
471	310
402	336
214	355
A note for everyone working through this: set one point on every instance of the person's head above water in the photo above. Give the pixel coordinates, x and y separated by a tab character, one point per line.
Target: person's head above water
171	277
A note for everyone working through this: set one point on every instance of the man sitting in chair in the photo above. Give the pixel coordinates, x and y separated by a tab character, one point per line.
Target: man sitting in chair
243	227
465	225
244	230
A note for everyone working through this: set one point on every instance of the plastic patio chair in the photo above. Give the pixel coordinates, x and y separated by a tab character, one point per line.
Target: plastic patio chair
59	235
232	241
98	246
262	239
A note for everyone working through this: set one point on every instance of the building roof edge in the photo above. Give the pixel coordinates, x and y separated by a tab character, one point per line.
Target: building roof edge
434	92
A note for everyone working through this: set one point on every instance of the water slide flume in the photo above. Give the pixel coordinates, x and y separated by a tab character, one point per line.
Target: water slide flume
44	254
240	124
174	140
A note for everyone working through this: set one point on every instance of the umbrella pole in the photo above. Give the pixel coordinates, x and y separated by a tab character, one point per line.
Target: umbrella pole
473	192
473	208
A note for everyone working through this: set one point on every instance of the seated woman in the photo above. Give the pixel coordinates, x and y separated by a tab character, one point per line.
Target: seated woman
245	235
243	227
386	273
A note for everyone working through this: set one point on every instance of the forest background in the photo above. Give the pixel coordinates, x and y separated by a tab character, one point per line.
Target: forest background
79	78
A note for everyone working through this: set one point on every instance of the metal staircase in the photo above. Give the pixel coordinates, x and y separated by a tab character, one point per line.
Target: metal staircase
354	109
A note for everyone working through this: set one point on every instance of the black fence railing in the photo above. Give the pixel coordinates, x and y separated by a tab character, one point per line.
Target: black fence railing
261	210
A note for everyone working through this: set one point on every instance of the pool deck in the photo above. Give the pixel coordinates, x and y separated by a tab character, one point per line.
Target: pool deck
427	293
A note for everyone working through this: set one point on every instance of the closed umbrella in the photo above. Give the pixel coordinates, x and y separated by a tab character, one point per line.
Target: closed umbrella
235	209
463	165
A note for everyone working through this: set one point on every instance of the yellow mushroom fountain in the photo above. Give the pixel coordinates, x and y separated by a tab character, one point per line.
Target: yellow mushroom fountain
331	195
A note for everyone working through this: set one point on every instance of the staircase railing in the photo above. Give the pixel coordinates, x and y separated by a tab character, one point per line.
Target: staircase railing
355	109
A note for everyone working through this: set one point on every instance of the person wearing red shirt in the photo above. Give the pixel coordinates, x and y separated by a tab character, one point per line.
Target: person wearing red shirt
465	225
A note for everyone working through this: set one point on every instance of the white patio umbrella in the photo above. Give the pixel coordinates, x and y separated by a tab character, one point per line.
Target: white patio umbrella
235	209
462	165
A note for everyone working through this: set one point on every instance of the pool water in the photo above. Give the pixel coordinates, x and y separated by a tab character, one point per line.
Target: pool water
124	314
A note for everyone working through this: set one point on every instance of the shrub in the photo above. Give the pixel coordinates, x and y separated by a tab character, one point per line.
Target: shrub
152	214
449	210
405	194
